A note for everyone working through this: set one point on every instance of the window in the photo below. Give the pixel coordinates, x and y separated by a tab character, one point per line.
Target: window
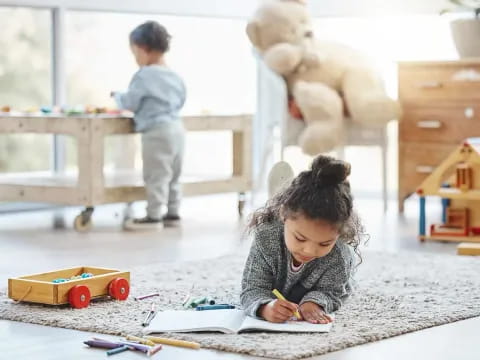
25	83
387	40
25	57
212	55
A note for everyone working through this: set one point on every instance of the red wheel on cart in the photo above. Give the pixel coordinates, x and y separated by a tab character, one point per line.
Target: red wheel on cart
79	296
119	288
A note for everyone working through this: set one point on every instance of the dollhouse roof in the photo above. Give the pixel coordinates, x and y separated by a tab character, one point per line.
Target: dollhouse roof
467	153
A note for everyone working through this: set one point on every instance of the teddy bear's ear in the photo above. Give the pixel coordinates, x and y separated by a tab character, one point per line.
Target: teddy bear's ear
252	28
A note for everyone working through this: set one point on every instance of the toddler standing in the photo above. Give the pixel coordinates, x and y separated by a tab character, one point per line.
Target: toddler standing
155	96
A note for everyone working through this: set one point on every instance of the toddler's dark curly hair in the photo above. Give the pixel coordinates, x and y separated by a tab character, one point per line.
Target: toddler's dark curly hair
151	36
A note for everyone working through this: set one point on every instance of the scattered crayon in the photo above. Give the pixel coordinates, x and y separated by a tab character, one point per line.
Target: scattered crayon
198	301
214	307
174	342
139	347
146	296
154	350
210	301
151	314
117	350
140	340
103	344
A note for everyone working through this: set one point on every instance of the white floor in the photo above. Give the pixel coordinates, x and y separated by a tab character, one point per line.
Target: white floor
210	228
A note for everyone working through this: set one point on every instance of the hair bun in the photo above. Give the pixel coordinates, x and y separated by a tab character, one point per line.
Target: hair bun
329	171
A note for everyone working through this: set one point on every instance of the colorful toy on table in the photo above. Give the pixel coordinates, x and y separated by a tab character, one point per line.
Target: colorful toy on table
102	110
31	110
89	109
76	110
50	109
75	277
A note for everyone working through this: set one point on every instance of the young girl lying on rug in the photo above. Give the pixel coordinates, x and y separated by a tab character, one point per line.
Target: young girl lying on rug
304	243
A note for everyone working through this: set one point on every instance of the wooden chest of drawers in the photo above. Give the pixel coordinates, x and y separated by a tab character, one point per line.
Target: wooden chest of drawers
441	107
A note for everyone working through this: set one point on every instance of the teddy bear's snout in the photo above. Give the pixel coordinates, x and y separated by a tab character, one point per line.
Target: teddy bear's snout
309	34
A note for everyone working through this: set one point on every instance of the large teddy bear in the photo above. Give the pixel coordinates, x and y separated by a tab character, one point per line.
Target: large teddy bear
326	81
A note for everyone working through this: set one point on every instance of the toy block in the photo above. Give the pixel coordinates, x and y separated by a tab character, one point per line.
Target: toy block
468	249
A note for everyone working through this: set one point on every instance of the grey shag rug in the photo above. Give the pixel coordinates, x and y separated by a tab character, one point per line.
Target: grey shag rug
396	294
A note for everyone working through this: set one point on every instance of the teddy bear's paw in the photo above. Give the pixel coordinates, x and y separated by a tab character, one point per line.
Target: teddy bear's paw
376	112
283	58
302	68
312	59
320	137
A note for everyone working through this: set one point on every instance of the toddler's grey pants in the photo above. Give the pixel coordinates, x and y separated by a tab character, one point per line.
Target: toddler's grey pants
162	152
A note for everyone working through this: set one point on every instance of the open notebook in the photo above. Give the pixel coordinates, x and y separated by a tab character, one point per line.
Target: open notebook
225	321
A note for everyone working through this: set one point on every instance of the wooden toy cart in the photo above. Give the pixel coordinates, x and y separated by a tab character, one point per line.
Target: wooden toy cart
91	187
40	288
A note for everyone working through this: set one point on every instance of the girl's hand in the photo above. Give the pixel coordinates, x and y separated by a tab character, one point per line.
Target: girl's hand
314	313
277	311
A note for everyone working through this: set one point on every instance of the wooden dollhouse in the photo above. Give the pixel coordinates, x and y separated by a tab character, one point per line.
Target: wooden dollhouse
457	182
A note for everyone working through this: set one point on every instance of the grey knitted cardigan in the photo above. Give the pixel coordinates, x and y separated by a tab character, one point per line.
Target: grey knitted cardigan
326	281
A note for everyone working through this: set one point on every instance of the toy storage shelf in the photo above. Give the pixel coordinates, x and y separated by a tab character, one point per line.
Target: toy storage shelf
91	186
440	109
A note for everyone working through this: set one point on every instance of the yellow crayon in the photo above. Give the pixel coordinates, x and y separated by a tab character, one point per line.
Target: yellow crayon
173	342
140	340
281	297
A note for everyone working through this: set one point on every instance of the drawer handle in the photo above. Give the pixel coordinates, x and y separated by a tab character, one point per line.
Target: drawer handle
424	169
430	85
466	75
429	124
469	112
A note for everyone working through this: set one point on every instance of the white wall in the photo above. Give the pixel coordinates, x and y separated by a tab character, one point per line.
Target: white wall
242	8
340	8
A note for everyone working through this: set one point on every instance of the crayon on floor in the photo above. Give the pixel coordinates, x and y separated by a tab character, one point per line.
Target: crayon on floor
174	342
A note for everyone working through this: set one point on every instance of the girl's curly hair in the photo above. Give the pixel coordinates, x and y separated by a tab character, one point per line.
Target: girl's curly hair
321	193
